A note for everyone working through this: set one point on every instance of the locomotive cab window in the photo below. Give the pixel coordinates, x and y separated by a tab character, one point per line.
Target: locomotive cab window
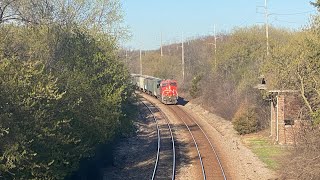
164	84
173	84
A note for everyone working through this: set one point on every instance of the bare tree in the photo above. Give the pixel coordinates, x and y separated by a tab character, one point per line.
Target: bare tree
99	15
23	11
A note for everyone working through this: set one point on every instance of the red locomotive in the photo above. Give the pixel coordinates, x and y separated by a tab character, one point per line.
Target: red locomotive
165	90
169	91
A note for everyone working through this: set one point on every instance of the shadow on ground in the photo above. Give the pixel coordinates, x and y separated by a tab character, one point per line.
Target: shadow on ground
182	101
133	157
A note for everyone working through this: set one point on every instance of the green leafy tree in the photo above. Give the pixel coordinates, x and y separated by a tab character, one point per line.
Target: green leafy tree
63	90
28	105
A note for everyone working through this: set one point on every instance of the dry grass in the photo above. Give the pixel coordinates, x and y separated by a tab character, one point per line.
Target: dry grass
304	160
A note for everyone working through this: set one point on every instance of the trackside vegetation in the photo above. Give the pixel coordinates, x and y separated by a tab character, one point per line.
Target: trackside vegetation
63	90
232	69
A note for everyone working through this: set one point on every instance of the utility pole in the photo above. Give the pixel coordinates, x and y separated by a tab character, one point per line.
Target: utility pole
140	63
161	46
215	46
267	29
126	56
182	57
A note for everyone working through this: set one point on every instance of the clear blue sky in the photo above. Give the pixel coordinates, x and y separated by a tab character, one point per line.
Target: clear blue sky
148	18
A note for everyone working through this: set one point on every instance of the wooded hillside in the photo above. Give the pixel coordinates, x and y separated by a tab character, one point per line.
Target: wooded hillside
63	90
226	80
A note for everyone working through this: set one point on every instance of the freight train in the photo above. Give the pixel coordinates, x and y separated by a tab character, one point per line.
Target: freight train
165	90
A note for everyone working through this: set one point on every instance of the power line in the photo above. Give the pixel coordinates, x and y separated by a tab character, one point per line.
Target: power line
279	20
291	14
285	21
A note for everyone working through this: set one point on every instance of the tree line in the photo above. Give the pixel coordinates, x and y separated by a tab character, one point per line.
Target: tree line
63	90
224	81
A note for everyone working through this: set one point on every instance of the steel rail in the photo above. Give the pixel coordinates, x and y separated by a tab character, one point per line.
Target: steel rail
213	149
172	140
196	145
159	141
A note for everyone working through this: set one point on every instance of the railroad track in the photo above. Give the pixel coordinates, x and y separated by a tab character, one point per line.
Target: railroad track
165	144
210	163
